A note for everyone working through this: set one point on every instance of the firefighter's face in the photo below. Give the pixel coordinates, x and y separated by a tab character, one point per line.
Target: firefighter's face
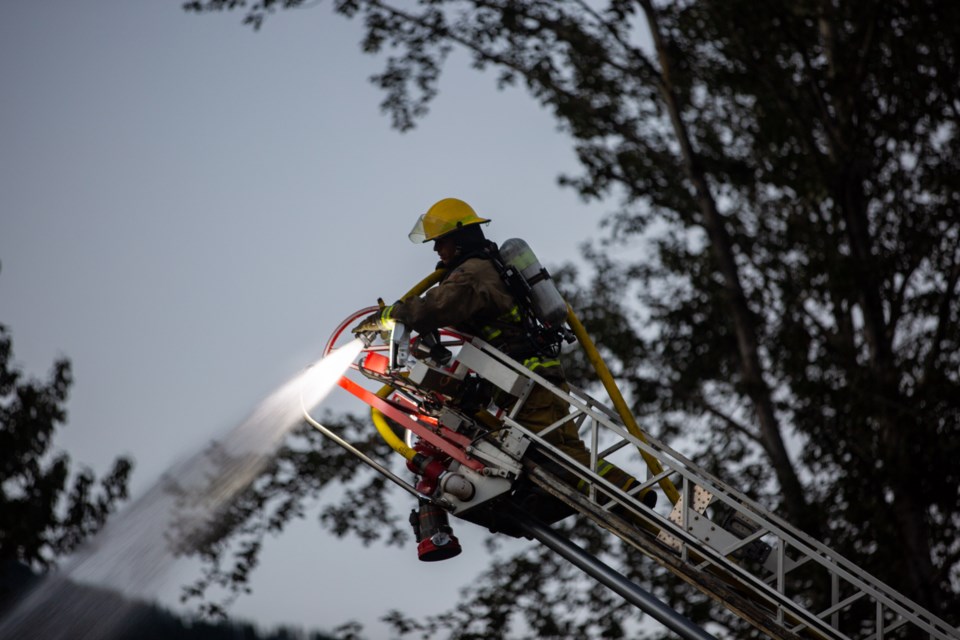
446	248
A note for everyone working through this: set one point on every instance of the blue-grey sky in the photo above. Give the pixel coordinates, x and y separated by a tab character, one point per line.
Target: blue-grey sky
188	208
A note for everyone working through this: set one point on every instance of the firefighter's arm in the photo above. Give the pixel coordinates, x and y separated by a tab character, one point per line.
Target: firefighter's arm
454	301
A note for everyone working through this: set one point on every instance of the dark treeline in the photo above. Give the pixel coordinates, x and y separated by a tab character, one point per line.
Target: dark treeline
80	611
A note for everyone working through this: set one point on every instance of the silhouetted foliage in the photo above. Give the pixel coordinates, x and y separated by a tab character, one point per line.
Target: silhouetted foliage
44	513
779	287
79	610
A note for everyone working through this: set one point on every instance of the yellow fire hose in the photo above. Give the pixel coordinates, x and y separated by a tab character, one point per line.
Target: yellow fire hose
398	445
618	402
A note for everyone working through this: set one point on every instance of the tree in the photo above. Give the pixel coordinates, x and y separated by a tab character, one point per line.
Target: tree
44	513
787	245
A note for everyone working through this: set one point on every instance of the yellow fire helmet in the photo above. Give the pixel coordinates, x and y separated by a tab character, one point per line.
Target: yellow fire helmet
445	216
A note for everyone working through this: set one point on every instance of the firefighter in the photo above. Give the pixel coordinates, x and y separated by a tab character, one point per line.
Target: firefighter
471	297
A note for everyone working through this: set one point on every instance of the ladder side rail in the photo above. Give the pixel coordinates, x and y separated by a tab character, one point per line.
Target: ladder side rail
714	586
831	561
674	459
677	460
809	548
654	446
691	544
784	605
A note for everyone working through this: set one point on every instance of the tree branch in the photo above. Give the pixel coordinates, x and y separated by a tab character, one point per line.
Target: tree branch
743	318
739	427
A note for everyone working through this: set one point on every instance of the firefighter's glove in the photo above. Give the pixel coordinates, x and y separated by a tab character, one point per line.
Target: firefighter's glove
377	322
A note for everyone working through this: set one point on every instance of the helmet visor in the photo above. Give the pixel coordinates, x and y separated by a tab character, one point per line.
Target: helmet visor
418	234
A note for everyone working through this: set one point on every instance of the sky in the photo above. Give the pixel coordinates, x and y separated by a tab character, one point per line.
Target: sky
188	208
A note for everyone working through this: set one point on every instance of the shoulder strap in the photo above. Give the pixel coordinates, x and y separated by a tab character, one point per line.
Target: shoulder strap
543	340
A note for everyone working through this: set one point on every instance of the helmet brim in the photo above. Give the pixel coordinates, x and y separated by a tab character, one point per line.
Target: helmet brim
420	235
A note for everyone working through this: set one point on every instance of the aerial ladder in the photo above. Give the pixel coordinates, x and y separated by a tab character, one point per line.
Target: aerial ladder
485	467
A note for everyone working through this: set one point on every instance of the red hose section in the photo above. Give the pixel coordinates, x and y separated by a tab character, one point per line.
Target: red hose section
397	415
356	315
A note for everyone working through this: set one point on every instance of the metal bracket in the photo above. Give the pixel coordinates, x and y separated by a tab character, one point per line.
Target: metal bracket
513	442
399	345
701	500
494	459
492	370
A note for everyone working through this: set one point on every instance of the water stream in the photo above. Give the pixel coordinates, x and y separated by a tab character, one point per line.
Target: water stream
132	555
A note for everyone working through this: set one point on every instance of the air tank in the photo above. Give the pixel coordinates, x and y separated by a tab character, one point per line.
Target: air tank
548	304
